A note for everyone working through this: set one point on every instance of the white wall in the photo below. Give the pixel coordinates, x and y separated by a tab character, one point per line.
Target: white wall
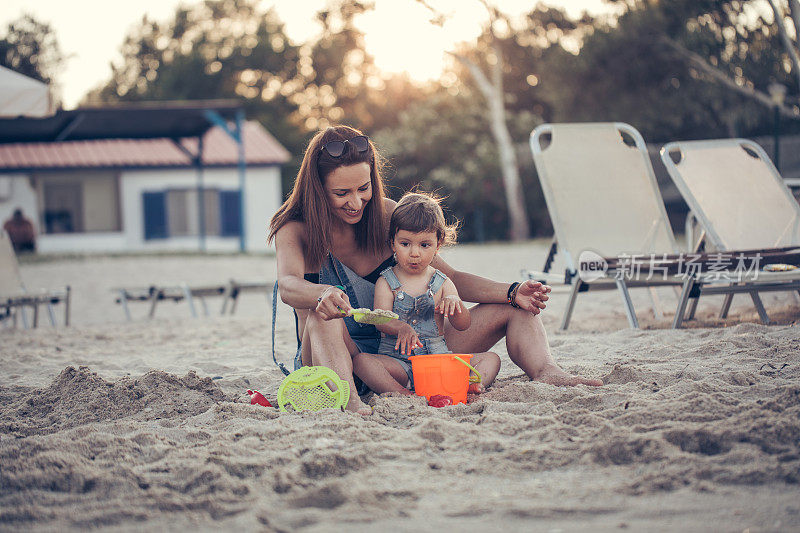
63	243
262	199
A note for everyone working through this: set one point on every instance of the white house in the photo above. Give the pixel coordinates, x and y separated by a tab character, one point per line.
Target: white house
113	195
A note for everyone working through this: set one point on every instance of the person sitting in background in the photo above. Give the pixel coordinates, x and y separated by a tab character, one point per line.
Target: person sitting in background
20	231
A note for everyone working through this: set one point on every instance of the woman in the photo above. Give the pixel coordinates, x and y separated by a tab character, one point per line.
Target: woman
331	239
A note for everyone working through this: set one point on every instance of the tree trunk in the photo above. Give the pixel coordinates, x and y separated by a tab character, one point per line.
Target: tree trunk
515	198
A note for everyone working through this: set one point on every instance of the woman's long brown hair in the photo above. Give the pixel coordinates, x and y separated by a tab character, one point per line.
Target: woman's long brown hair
308	201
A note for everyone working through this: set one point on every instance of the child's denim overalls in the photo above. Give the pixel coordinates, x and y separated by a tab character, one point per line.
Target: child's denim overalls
419	313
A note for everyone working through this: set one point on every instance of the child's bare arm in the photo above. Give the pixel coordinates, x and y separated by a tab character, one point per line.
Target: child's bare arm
451	306
384	299
407	338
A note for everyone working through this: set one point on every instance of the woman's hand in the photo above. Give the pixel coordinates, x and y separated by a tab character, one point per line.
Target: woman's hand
449	305
532	295
333	303
407	340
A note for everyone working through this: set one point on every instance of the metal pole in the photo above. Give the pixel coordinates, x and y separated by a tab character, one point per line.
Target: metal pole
201	204
777	133
242	175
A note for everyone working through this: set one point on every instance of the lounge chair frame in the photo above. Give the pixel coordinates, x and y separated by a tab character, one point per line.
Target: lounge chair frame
154	294
659	230
16	299
768	282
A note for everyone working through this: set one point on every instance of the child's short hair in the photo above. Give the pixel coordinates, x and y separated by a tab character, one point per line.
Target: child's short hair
418	212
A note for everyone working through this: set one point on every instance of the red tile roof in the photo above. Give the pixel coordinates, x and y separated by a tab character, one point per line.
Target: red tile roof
219	149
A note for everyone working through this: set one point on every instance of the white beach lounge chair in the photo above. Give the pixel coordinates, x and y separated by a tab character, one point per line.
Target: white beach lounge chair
602	195
181	291
15	298
741	203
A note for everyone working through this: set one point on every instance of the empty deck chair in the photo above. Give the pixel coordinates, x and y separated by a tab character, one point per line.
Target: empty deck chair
602	195
178	292
741	203
16	300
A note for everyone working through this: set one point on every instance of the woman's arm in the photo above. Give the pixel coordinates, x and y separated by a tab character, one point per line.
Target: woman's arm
294	289
531	295
451	306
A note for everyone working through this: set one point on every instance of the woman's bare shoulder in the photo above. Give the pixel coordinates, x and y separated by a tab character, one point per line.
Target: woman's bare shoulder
293	231
389	204
388	208
292	227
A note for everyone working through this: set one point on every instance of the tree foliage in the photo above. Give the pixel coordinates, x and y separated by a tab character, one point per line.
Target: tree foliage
639	70
231	49
216	49
31	48
443	145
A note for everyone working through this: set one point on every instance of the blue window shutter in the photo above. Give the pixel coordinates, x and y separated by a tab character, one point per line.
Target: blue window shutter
229	209
155	215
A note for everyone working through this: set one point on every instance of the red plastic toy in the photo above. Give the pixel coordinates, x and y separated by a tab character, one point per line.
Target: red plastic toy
258	398
440	400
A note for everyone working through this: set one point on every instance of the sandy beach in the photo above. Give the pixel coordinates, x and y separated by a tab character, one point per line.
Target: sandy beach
146	425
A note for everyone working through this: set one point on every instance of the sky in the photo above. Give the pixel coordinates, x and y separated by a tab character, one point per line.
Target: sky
90	32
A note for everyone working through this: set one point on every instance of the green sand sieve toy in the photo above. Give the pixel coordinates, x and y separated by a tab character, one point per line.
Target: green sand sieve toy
307	389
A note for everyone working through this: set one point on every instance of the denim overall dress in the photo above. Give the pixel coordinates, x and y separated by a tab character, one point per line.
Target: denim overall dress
419	313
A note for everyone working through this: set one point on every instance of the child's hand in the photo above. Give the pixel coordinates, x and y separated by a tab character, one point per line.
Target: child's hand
407	340
449	305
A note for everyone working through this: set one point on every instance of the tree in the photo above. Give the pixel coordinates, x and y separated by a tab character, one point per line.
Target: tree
721	55
441	144
491	88
231	49
215	49
341	82
31	48
336	70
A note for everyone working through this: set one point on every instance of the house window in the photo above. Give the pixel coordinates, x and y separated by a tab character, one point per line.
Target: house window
79	203
176	213
63	208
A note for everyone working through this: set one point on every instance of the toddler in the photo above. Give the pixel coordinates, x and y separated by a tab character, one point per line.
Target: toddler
422	297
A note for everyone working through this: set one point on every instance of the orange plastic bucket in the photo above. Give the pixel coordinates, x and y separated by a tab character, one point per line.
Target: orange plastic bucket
441	374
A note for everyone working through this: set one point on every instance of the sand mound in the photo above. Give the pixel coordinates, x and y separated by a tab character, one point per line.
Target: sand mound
79	397
161	449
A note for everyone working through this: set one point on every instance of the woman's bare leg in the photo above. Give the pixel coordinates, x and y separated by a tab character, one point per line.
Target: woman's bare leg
381	373
327	343
526	341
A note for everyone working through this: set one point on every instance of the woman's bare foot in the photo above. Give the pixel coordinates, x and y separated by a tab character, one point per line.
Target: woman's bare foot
357	406
475	388
553	375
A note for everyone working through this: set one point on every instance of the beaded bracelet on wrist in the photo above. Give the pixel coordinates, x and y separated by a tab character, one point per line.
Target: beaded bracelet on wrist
511	296
514	303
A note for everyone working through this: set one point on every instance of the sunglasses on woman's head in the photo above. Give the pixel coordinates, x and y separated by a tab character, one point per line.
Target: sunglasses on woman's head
336	148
